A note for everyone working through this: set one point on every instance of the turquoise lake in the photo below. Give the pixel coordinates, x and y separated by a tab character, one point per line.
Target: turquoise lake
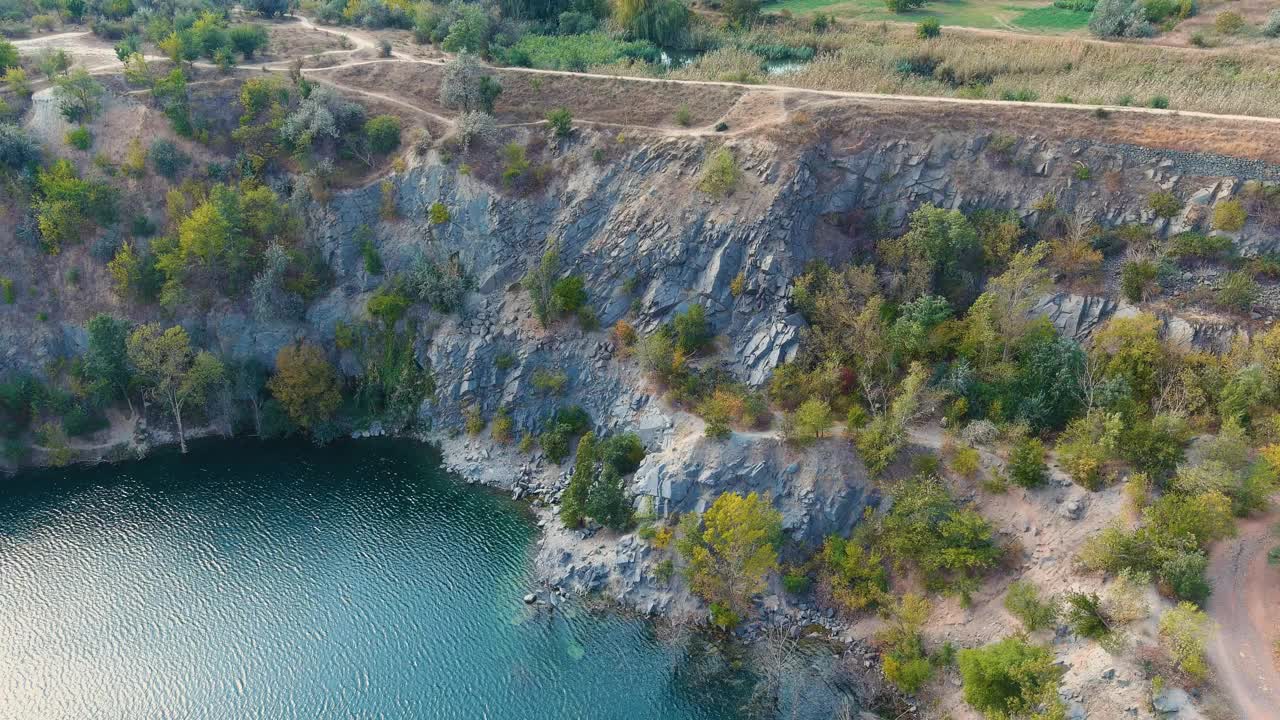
278	581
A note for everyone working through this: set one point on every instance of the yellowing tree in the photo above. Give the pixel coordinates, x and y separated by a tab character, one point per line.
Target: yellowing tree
171	371
732	550
305	384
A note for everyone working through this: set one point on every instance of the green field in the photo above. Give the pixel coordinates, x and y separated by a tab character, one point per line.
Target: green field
1027	15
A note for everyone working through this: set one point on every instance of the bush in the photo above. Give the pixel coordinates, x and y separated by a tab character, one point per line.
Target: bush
852	577
167	159
1239	292
903	6
720	174
1229	23
561	122
1229	216
691	330
550	382
1120	18
568	295
1159	102
1183	577
1026	464
1085	617
7	293
1009	678
684	118
1024	601
1138	280
438	213
928	28
966	462
383	133
80	138
1184	635
1271	28
1164	204
1198	246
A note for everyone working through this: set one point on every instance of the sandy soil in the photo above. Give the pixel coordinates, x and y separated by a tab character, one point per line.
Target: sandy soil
1246	606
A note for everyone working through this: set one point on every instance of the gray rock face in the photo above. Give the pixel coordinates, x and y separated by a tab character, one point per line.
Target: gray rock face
820	490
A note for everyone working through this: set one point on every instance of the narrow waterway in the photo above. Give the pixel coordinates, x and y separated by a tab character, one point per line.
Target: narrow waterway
281	581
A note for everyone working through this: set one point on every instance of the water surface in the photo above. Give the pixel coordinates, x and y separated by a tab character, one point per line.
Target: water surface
284	581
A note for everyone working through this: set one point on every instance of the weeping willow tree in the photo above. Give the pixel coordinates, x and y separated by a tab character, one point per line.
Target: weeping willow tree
661	22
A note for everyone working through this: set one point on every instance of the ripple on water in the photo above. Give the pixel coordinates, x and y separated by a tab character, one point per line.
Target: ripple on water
280	581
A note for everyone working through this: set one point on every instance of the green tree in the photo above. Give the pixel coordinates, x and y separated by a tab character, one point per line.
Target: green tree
540	281
1026	464
852	576
248	39
1024	600
106	360
383	133
811	420
1009	678
925	528
171	371
79	95
8	55
1184	635
732	550
573	505
306	384
906	664
561	121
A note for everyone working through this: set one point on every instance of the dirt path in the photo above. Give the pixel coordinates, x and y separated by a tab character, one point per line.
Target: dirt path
1246	605
85	43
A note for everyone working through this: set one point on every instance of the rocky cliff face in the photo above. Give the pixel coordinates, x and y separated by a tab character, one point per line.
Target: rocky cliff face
649	244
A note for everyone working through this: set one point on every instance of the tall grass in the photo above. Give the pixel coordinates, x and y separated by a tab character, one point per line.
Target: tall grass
883	58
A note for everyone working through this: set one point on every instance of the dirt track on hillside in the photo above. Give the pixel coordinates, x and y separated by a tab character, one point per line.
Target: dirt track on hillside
1246	605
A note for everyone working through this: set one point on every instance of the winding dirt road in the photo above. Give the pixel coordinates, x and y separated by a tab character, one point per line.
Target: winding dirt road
86	43
1246	605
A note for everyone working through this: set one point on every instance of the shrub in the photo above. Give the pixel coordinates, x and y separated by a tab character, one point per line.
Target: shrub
1239	292
1026	464
1228	23
1159	102
1271	28
388	304
1164	204
691	330
1024	601
810	421
473	420
852	577
905	662
438	213
1184	635
561	121
515	162
1229	216
1009	678
80	138
383	133
1138	280
1183	576
167	159
966	462
1198	246
928	28
1085	617
568	295
720	174
500	428
7	293
550	382
684	118
904	6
